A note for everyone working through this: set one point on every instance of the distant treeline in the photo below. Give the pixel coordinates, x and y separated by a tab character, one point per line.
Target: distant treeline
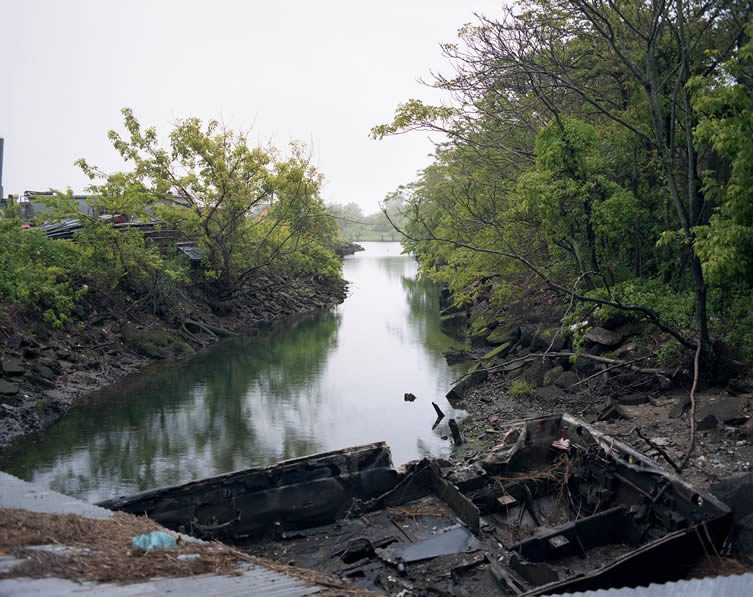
355	226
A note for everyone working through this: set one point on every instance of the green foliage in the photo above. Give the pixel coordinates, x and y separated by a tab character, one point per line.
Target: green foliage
520	388
575	141
380	226
36	272
246	207
725	105
667	353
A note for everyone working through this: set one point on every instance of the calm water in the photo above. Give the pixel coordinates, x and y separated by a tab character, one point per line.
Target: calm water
328	381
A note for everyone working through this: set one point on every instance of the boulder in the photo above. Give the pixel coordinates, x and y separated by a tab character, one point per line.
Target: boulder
536	370
613	412
453	324
7	388
478	337
625	350
567	379
548	392
604	337
42	371
535	337
455	355
499	351
736	492
585	367
632	399
504	334
552	375
12	366
155	344
727	411
457	393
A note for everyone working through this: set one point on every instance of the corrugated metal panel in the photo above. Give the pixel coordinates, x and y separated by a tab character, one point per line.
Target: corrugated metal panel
718	586
254	581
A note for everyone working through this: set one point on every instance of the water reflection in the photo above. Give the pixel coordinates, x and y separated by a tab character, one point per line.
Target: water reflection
324	382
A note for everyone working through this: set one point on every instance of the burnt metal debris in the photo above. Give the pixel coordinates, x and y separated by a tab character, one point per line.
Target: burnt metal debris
556	507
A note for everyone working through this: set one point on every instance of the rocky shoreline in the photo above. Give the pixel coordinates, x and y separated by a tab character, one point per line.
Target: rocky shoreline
44	372
524	364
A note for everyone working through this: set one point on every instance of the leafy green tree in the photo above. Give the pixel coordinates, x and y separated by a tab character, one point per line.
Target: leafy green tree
246	208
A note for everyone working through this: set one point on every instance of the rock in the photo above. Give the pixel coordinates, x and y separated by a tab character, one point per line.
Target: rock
12	366
613	412
736	492
708	422
552	375
567	379
663	382
630	328
408	397
7	388
622	351
499	351
548	392
603	337
453	324
679	407
534	373
632	399
153	343
727	411
42	371
534	337
456	355
743	542
52	364
662	442
478	337
504	334
584	367
31	352
457	393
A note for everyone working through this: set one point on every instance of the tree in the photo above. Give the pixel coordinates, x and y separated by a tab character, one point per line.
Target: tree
247	208
625	69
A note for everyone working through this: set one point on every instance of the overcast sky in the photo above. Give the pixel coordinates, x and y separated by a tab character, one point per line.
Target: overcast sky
322	72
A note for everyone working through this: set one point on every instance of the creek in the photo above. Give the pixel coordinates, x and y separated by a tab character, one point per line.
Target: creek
333	379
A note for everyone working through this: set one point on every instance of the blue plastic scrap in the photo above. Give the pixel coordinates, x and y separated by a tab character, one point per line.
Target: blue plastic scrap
154	541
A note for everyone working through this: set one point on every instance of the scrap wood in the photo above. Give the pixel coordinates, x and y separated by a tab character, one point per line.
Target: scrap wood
104	552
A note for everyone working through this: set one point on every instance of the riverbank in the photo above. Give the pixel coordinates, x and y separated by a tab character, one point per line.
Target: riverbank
45	372
526	364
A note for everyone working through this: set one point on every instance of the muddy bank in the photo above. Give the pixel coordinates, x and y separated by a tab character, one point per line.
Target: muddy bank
44	372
